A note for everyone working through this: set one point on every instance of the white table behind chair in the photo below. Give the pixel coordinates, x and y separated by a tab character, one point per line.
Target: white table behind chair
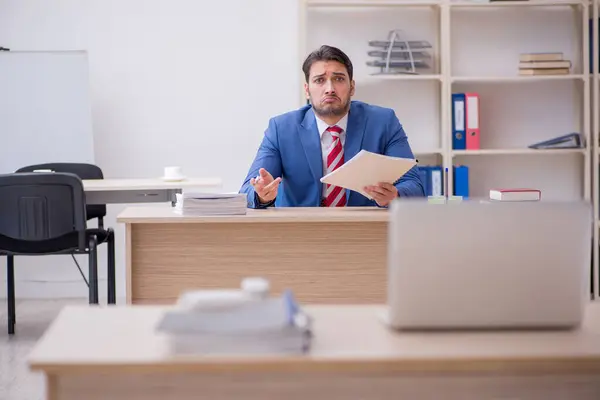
122	191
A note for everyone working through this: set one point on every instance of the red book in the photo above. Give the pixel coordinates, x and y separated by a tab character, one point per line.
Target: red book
515	194
472	121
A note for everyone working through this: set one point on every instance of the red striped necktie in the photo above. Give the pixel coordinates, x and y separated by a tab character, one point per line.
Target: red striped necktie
335	196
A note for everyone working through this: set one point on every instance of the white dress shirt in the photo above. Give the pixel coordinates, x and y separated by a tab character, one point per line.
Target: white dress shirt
327	140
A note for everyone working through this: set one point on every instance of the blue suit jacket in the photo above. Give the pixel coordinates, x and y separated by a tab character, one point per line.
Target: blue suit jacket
291	149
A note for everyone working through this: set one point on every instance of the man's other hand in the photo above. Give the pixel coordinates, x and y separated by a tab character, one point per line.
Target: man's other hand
265	186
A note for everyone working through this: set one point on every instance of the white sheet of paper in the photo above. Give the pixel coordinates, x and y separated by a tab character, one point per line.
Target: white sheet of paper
368	168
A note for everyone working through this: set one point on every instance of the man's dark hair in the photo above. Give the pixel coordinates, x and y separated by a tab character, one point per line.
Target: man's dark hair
326	53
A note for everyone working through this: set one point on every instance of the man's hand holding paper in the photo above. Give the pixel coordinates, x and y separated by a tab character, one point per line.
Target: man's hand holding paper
383	193
372	175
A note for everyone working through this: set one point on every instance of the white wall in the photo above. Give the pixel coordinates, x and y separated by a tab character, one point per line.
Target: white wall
173	82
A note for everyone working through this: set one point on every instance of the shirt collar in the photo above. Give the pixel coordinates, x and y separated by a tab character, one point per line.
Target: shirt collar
322	125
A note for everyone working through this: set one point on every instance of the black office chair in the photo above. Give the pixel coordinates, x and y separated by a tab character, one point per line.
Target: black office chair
45	213
93	211
83	171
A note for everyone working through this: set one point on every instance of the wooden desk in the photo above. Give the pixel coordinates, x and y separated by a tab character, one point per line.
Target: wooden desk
113	353
324	255
112	191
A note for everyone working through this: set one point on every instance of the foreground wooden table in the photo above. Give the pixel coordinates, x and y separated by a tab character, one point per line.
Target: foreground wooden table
324	255
113	353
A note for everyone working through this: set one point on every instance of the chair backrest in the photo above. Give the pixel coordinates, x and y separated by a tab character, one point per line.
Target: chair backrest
40	206
83	171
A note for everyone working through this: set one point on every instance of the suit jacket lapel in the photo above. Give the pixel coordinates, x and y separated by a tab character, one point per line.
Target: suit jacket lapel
355	131
311	142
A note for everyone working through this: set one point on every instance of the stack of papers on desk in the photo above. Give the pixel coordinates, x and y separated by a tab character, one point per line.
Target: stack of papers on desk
268	326
368	168
190	203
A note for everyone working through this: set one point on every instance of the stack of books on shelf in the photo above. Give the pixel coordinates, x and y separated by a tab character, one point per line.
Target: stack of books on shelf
543	64
398	55
517	194
235	322
192	203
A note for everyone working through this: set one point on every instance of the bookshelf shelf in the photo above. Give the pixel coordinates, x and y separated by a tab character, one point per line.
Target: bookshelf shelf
475	48
500	152
373	3
516	79
431	152
407	77
528	3
479	4
595	142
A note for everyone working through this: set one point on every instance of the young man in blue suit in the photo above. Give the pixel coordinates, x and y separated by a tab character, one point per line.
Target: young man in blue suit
300	147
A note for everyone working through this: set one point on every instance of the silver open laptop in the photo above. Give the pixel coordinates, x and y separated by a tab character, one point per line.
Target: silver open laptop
488	265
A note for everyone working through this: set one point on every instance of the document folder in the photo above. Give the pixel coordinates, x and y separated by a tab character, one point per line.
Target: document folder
368	168
458	122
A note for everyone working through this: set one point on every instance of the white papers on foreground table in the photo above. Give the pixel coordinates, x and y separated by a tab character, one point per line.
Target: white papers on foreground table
368	168
197	203
262	326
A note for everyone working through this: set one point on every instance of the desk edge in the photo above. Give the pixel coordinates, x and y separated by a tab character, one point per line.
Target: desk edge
546	365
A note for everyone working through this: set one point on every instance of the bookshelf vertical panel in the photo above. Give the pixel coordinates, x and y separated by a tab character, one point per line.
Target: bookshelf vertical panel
594	146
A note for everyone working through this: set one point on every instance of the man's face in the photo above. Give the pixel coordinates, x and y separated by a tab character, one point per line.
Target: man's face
329	88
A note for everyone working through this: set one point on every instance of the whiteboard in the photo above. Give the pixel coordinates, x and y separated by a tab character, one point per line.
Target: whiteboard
45	109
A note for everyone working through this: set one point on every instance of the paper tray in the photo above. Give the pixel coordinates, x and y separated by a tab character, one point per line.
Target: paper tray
398	64
399	44
401	54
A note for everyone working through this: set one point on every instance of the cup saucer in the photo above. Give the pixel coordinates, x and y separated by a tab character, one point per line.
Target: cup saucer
173	178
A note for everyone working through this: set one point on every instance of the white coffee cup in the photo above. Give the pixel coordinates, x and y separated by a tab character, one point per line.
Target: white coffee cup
173	173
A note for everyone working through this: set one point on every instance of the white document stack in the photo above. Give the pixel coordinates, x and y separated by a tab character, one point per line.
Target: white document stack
266	326
194	203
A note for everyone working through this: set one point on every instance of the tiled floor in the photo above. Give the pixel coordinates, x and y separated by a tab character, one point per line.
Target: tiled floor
33	317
